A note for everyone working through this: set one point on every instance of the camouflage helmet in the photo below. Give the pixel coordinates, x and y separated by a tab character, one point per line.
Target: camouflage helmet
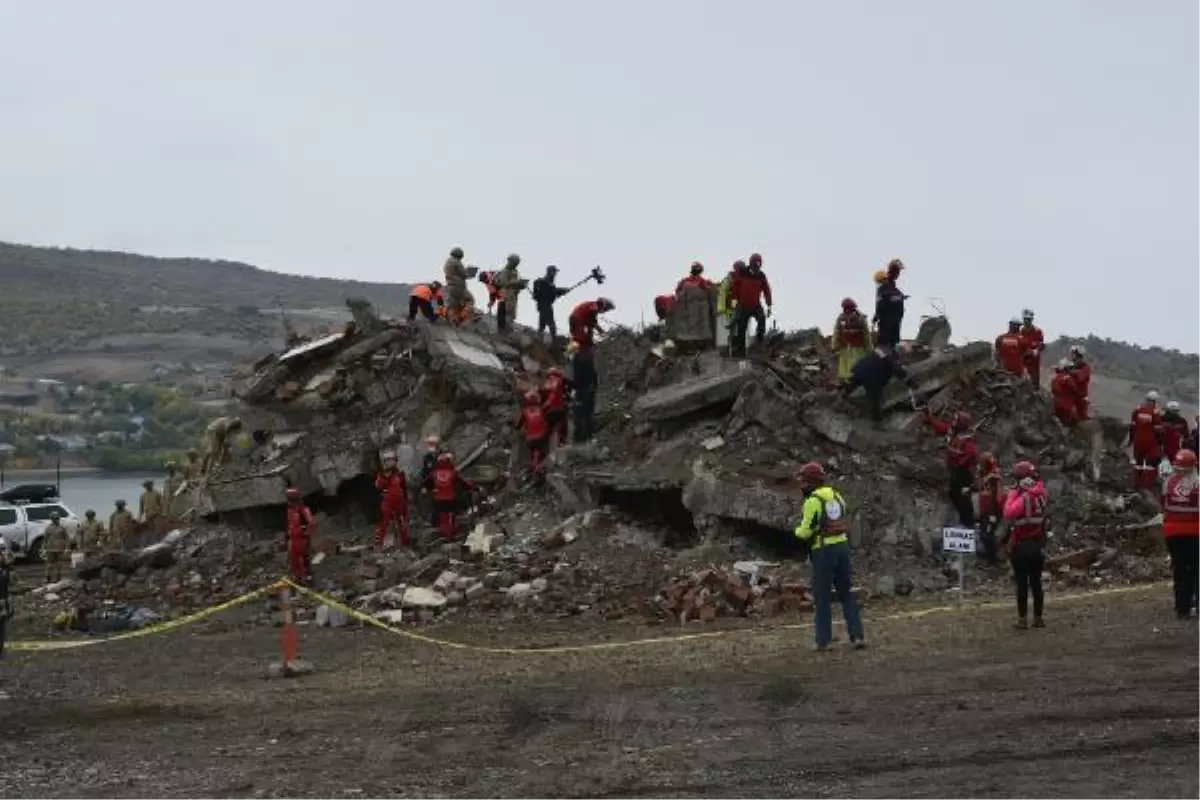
148	484
119	503
193	453
54	516
513	259
91	512
456	252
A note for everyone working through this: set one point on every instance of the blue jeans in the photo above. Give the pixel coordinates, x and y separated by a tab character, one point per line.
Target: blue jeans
831	571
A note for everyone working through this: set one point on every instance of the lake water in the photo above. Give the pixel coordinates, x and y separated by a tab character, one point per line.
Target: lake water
96	490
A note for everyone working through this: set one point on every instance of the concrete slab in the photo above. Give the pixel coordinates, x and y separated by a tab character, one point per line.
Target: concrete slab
937	371
680	399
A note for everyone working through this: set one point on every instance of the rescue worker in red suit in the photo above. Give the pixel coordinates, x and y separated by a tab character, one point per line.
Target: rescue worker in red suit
446	483
488	278
1145	434
392	485
300	530
1181	530
1034	342
1082	371
1010	349
748	291
1064	392
585	324
991	503
961	455
1025	509
1175	430
663	305
531	420
695	278
556	392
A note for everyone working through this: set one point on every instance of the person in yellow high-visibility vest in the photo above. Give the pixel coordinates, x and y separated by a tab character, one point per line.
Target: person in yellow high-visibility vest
851	337
726	303
823	528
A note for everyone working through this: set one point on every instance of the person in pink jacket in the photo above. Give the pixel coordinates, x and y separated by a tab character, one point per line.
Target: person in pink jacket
1025	517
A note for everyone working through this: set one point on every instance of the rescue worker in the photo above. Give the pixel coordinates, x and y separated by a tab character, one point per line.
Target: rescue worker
695	277
1181	529
447	483
55	543
1033	341
301	527
873	372
1064	393
1010	349
556	393
851	337
433	448
423	298
961	455
664	304
991	502
392	485
150	505
488	278
170	485
1145	435
508	280
726	302
889	305
749	289
90	534
531	420
585	324
121	525
1174	430
218	441
1082	372
823	529
545	292
1025	515
455	274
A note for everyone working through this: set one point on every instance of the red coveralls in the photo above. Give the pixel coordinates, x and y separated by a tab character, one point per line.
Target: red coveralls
961	455
698	281
1145	432
1181	530
1083	377
1010	352
990	510
1064	390
554	401
1034	342
584	322
532	420
393	506
445	481
300	530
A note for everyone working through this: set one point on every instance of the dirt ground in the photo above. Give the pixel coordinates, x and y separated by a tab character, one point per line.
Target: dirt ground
1103	702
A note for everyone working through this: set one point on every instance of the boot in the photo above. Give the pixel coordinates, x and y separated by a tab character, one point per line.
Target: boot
1037	622
1021	624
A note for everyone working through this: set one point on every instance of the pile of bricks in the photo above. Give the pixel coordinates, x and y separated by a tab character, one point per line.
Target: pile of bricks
712	593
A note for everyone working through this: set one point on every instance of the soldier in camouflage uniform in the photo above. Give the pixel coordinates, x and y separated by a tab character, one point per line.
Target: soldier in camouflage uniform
456	285
55	542
90	534
121	526
151	505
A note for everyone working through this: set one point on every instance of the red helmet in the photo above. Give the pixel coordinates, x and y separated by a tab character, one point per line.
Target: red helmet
739	266
812	472
293	494
697	268
848	304
445	458
755	260
962	420
531	398
554	371
987	458
1024	469
1185	459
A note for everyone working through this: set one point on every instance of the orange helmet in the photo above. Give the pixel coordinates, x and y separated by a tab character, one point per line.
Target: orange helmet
812	472
1024	469
1185	459
880	276
293	494
848	304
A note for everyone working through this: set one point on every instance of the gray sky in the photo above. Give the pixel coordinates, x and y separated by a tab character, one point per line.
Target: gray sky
1012	153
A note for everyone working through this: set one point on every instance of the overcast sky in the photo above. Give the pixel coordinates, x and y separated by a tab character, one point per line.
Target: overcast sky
1012	153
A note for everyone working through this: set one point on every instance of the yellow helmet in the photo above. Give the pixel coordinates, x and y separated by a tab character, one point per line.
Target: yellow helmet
880	275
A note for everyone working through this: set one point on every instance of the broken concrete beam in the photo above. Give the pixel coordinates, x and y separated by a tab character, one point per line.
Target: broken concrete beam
857	433
690	396
718	496
367	346
252	491
765	405
937	371
934	333
690	323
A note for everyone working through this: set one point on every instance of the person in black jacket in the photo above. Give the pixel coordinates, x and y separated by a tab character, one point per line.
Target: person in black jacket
889	306
873	372
544	295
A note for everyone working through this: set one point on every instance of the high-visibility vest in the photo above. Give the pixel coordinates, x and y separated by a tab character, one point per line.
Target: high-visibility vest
1181	506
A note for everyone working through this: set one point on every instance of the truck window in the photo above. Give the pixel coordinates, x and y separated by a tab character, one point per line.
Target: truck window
42	513
8	516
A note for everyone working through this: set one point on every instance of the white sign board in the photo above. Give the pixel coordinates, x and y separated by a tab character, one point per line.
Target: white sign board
958	540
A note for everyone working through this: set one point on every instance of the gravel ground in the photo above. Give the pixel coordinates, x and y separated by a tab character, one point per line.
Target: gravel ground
1101	703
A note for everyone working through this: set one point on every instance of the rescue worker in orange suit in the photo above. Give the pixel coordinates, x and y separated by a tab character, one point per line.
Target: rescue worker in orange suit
748	291
1175	431
889	306
1145	434
990	504
446	484
531	420
392	485
851	338
1064	392
556	393
423	297
301	527
695	278
585	324
1034	342
1181	530
488	278
1082	372
1010	349
961	455
663	305
1025	515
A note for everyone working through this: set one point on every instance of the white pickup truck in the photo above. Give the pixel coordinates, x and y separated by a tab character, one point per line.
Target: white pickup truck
22	524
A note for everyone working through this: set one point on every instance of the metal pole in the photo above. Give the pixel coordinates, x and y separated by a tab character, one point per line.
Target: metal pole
962	578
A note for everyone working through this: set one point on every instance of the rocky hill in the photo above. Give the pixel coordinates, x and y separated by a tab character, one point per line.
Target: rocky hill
1125	372
90	314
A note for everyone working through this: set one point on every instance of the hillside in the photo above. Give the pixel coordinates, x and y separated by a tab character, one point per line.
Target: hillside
1129	371
95	315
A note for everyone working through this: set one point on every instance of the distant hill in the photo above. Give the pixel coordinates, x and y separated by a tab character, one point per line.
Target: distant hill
92	314
1174	374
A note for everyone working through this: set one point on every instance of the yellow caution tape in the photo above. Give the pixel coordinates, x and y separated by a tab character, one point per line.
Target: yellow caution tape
149	630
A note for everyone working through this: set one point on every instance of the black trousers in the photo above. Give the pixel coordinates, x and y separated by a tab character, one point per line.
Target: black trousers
418	306
1027	559
874	396
586	383
502	315
889	331
961	479
987	534
1185	552
546	321
741	325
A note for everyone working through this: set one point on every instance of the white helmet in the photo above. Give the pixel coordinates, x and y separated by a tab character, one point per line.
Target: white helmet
1172	405
1027	313
388	456
1014	321
1077	351
1064	363
1152	396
